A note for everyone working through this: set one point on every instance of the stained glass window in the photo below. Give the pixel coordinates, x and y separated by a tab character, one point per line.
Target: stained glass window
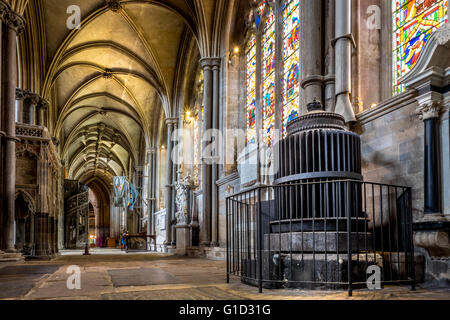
289	68
268	78
291	64
414	21
250	79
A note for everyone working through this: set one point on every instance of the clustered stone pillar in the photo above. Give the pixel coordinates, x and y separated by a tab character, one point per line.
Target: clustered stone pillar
330	78
209	222
151	223
216	62
312	82
169	181
430	113
154	168
175	139
205	222
12	25
41	231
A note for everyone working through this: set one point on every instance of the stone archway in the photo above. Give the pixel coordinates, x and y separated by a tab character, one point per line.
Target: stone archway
99	199
24	219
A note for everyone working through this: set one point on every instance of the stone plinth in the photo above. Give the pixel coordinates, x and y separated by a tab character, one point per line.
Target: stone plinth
183	239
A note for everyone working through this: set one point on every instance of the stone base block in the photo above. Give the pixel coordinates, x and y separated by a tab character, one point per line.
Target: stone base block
331	272
211	253
11	257
183	240
317	242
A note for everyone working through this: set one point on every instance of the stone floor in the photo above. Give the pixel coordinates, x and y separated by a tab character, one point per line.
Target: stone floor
118	276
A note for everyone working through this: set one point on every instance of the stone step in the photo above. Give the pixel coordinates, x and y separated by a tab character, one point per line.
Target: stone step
11	257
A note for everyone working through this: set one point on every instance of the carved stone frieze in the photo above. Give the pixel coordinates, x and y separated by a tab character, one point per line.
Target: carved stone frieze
28	131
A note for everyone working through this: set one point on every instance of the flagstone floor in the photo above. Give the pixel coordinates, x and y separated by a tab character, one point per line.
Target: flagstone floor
118	276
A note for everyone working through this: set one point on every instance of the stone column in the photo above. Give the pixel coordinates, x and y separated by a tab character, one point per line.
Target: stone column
279	66
343	46
430	113
205	225
175	139
330	78
169	176
216	63
150	195
13	24
154	194
3	10
41	245
312	78
40	112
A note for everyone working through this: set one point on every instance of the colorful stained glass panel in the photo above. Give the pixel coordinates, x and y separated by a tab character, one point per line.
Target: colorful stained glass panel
250	82
268	78
291	63
414	21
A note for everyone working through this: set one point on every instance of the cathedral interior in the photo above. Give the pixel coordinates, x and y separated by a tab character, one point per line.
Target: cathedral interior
285	143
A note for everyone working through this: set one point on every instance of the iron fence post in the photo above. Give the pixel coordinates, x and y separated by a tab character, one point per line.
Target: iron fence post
259	232
227	239
411	233
349	233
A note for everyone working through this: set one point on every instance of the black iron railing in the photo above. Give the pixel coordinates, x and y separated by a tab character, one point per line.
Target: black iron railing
327	235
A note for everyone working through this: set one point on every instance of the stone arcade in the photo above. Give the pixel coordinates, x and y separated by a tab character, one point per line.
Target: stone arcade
325	123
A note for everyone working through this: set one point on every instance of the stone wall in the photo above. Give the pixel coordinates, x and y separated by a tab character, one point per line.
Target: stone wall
227	186
392	146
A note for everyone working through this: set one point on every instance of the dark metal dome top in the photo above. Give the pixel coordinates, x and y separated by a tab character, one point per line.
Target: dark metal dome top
316	118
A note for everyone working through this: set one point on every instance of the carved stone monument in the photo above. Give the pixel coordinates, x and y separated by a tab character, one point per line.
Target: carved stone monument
182	200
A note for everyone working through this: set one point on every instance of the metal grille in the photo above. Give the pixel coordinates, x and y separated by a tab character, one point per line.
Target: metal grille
326	239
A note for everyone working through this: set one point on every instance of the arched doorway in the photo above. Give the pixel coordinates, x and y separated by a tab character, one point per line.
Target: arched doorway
99	213
92	223
24	219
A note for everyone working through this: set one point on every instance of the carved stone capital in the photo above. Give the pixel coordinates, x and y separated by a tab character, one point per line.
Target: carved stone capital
437	243
32	98
114	5
108	74
430	110
12	19
210	63
4	8
171	121
443	35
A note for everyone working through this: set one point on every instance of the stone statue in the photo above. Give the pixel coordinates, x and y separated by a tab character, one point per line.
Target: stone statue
182	188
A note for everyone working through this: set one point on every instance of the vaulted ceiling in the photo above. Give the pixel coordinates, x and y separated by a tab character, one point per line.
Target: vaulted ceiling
112	80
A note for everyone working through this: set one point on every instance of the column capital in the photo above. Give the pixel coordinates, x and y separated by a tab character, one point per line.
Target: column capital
430	110
171	121
210	63
114	5
32	97
4	8
11	18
